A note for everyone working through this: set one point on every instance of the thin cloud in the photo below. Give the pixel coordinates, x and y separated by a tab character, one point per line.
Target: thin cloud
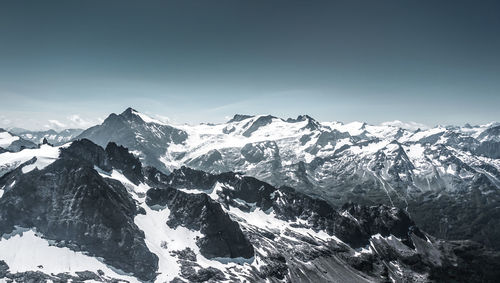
406	125
78	121
162	118
57	123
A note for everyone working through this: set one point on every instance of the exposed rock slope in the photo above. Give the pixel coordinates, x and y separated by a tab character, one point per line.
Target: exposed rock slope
191	226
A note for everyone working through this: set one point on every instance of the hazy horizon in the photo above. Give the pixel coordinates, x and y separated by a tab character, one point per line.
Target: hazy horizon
78	122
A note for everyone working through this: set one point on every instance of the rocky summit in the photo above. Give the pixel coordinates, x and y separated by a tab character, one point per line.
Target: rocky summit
103	214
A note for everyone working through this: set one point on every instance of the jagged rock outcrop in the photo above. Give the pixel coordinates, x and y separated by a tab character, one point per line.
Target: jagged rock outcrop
121	159
68	201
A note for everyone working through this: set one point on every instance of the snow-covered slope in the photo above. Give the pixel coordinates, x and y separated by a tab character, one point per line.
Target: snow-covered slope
6	139
25	251
36	157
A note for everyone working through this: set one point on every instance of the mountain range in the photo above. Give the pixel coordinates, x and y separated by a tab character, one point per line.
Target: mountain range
256	199
451	171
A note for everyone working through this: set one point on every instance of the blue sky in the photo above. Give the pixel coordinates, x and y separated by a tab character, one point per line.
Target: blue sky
74	62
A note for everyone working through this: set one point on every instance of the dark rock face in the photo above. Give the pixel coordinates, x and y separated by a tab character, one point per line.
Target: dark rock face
276	269
3	269
88	153
21	144
311	123
239	118
489	149
260	122
384	220
209	274
490	132
256	152
291	205
470	262
223	237
324	139
69	201
246	188
184	177
356	229
120	158
209	160
474	217
186	254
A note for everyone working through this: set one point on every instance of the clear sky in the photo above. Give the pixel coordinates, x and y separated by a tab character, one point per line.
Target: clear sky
72	62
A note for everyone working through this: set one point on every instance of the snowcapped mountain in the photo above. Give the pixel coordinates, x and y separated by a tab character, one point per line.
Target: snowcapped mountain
52	136
81	212
12	142
147	137
449	171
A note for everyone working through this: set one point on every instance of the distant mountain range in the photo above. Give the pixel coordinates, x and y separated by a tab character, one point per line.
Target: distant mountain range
258	198
12	142
52	136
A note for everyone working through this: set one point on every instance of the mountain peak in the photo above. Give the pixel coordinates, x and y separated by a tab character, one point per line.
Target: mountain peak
301	118
311	123
239	118
128	112
304	117
131	113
